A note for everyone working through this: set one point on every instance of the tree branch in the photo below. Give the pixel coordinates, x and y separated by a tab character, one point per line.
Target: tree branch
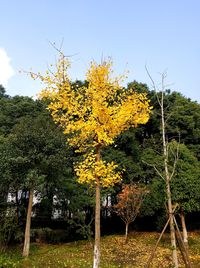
155	168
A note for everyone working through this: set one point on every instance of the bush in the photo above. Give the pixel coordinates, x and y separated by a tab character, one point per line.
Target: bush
47	235
10	230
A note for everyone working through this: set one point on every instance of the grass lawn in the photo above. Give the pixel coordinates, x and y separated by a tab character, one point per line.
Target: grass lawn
114	253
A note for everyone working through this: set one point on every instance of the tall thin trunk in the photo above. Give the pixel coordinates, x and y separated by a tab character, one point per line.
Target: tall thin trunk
168	190
28	226
172	229
96	261
184	228
126	232
17	207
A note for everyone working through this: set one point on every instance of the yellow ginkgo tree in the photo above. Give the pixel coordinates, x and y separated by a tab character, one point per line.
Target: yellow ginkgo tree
92	117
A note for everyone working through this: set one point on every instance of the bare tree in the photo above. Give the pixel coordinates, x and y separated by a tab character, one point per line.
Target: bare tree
167	175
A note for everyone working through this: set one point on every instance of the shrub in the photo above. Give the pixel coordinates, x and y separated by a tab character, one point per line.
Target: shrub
48	235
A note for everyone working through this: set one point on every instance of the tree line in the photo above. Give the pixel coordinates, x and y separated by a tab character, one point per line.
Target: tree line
34	155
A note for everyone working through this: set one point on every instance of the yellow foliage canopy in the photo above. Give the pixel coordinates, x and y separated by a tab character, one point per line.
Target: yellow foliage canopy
89	169
94	115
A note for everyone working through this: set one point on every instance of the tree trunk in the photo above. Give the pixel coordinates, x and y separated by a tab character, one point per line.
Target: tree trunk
126	232
185	235
168	190
96	261
17	207
172	229
28	226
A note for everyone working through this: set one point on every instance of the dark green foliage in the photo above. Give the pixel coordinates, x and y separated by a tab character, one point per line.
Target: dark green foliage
185	185
9	231
14	108
34	153
47	235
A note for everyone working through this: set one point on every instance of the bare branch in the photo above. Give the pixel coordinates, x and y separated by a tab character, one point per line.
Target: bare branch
155	168
153	84
59	50
176	157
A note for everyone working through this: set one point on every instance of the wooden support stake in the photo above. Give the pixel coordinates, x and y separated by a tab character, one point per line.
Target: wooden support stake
150	259
182	246
154	250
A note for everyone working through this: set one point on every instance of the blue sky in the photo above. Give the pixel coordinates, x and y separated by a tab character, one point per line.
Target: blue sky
164	35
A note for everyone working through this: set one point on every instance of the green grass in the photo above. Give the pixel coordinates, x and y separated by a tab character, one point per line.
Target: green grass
114	253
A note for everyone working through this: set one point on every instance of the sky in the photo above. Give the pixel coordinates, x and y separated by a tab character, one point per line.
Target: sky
164	35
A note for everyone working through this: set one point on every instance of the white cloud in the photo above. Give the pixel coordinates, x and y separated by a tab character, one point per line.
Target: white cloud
6	70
